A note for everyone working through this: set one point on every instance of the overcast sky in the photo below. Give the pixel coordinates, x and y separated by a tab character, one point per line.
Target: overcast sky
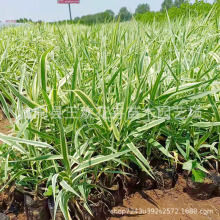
49	10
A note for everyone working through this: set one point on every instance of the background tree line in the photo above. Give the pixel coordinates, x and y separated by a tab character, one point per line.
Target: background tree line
142	12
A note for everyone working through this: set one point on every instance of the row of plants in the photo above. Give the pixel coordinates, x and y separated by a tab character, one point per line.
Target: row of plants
92	105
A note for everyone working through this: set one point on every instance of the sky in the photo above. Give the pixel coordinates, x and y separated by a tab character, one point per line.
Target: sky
49	10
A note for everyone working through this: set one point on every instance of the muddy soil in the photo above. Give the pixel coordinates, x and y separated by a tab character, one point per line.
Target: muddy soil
167	205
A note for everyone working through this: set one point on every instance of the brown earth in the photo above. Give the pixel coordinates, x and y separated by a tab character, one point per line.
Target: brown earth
173	204
19	217
4	125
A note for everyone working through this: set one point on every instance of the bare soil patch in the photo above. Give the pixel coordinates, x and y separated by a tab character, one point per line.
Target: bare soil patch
167	205
4	124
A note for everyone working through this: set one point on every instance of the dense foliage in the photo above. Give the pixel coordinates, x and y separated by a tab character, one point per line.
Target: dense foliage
142	8
89	102
199	9
175	9
102	17
167	4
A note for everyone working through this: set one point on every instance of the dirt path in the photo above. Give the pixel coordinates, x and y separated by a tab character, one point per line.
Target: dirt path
172	204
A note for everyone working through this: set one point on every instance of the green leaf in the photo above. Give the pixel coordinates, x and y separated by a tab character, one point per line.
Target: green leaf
115	131
150	125
6	139
49	191
63	202
98	160
189	165
138	154
198	176
68	188
161	148
64	148
206	124
88	102
6	109
28	102
43	69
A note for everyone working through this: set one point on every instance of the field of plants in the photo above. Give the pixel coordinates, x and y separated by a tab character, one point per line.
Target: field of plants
98	111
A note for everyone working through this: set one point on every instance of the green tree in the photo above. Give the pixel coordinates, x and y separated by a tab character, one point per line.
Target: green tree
76	19
24	20
110	13
166	4
124	14
142	8
108	16
178	3
102	17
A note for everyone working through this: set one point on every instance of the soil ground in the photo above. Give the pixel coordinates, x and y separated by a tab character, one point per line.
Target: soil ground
173	204
4	125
